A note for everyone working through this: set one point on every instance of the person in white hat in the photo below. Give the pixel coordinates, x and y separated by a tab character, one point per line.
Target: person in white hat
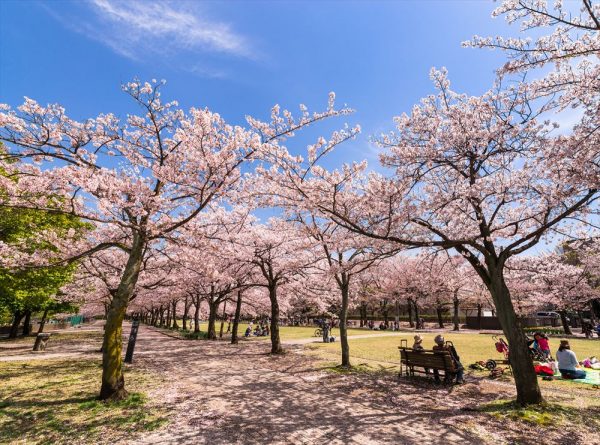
418	344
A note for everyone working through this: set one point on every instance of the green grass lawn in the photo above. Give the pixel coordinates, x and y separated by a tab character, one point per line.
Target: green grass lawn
54	401
470	347
381	353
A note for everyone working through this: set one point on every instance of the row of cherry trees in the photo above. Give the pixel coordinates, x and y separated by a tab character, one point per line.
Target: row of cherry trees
486	177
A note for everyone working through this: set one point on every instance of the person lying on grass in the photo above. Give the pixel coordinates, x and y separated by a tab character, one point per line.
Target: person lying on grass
440	345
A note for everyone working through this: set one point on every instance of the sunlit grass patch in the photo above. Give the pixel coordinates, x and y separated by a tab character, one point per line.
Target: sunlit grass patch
63	338
54	401
545	414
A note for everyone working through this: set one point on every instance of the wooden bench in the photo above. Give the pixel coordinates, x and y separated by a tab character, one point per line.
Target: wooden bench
427	360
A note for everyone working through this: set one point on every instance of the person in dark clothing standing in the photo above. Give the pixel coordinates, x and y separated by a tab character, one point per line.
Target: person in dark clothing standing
325	332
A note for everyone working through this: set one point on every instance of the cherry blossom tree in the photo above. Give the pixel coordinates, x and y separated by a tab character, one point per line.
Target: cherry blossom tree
342	255
547	281
481	175
140	180
279	253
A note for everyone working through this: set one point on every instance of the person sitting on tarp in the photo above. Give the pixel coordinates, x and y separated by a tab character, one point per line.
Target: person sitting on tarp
567	362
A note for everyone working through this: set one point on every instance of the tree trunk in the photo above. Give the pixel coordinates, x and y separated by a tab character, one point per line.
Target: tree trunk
113	382
592	314
197	314
343	323
14	328
212	316
565	323
479	316
417	315
385	311
222	320
440	317
410	313
363	315
455	319
236	320
528	390
27	324
186	311
175	325
168	315
162	316
595	304
43	321
275	340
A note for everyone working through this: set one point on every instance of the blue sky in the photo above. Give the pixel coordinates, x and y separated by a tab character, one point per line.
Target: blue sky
241	57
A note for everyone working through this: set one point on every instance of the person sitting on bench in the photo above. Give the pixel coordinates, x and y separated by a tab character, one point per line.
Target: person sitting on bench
418	344
440	345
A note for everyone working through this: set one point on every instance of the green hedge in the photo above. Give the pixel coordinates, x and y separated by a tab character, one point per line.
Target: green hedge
551	331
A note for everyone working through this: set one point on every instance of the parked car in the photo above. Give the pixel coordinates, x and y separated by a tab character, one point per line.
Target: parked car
548	314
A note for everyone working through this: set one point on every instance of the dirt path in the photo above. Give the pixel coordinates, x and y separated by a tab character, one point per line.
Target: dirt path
237	394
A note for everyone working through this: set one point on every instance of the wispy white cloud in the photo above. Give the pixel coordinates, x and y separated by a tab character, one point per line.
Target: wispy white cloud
145	23
138	29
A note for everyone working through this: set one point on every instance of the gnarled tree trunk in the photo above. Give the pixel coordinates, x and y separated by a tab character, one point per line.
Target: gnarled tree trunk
344	287
528	390
162	316
565	323
43	321
14	328
213	308
410	313
455	318
222	320
236	320
197	314
27	324
440	317
175	325
113	382
275	340
186	312
418	316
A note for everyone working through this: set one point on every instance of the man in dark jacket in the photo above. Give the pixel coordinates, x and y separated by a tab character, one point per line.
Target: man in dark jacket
440	345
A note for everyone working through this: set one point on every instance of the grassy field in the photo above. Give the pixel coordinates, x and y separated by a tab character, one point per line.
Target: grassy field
381	353
64	337
471	347
54	401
